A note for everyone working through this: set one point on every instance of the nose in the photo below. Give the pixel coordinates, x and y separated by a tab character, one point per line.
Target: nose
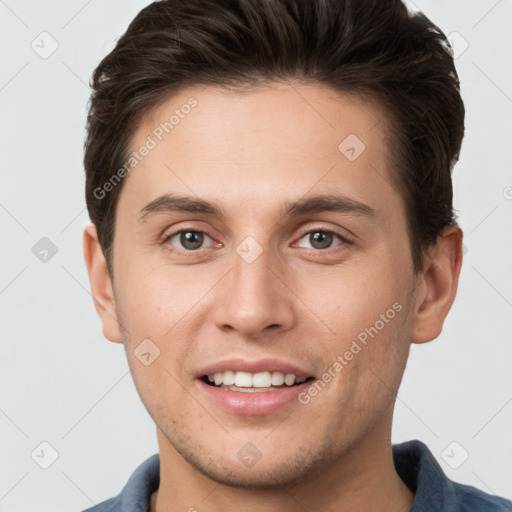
254	298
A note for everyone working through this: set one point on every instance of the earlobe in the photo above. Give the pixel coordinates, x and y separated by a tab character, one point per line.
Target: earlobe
101	285
437	291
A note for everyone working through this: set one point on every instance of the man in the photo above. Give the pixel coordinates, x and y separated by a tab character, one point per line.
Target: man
269	185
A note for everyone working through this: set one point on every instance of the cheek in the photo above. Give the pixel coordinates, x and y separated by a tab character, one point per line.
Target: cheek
162	305
346	300
153	300
363	313
158	386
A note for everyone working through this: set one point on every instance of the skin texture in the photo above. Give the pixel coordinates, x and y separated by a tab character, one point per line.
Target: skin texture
249	153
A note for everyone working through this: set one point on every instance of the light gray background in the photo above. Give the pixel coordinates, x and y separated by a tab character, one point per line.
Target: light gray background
62	383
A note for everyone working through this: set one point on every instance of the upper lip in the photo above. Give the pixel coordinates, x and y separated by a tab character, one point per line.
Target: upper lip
253	366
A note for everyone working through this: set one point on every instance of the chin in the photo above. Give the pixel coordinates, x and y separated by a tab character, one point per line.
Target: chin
264	471
270	477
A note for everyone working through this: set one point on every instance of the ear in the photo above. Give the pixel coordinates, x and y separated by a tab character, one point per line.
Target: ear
101	286
438	286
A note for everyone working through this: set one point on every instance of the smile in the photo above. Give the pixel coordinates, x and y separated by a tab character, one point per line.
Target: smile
246	382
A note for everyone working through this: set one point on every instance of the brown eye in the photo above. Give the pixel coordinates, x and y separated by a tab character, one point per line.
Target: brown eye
187	240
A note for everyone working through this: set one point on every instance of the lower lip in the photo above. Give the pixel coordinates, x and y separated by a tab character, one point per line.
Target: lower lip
253	403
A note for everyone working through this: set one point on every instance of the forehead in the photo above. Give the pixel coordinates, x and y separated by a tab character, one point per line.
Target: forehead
320	116
252	146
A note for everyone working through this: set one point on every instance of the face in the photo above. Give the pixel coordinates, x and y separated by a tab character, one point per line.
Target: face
294	259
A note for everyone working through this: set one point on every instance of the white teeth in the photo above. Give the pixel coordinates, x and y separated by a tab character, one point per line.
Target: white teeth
243	379
256	380
229	378
289	379
277	378
261	380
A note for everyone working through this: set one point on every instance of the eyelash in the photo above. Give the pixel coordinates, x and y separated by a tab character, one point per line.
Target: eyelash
344	239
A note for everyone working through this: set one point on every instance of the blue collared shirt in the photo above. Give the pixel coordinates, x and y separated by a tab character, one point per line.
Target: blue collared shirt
414	463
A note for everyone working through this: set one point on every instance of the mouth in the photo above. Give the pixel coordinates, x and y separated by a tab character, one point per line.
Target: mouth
245	382
253	387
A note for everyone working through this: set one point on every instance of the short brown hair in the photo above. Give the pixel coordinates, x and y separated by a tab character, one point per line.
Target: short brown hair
368	47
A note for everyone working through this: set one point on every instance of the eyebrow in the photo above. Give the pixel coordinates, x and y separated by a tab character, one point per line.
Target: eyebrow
322	203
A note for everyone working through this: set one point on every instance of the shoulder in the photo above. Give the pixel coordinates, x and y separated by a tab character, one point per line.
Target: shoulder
434	491
471	499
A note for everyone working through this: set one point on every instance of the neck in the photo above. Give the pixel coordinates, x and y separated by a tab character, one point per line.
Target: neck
364	479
